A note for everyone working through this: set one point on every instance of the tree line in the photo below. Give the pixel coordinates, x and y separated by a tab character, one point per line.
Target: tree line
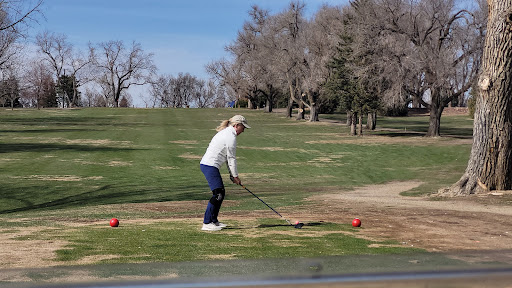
368	56
61	75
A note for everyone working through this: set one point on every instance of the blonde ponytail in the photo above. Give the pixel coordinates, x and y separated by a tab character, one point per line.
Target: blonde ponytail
223	125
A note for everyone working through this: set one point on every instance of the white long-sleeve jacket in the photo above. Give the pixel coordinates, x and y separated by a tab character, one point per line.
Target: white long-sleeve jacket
222	149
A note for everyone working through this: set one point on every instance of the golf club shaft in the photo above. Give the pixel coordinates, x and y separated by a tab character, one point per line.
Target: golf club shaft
266	204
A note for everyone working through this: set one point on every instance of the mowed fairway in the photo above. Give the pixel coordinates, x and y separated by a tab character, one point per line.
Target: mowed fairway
66	173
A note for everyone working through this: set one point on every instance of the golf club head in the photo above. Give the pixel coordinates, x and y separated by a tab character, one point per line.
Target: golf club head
298	225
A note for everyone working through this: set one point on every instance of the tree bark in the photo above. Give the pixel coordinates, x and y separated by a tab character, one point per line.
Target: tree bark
313	113
436	110
490	163
360	125
353	123
289	108
268	106
372	120
292	99
269	98
300	112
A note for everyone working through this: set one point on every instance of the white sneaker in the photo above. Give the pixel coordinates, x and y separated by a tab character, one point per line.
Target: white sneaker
211	227
221	225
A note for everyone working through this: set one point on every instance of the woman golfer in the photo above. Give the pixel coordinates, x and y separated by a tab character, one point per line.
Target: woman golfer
222	149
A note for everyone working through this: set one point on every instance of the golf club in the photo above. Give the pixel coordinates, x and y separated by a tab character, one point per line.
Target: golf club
298	225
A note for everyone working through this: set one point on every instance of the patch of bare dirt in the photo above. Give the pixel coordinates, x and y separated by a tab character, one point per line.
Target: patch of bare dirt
463	223
119	163
92	142
277	149
190	156
64	178
27	253
187	142
166	168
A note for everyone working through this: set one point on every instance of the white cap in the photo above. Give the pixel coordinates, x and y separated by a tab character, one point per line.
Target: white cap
239	119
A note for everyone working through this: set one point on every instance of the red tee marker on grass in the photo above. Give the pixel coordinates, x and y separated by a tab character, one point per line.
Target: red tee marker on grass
114	222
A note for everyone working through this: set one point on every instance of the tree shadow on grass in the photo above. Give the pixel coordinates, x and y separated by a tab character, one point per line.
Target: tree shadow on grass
52	130
108	195
68	121
273	225
288	225
45	147
65	202
400	134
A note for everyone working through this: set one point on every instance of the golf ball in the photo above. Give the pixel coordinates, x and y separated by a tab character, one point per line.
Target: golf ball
356	222
114	222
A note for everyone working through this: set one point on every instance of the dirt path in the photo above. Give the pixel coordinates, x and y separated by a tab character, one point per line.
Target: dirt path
448	225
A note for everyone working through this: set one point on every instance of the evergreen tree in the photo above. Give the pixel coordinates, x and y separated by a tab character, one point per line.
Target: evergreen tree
66	91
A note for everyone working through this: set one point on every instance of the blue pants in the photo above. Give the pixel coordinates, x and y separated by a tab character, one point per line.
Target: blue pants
212	175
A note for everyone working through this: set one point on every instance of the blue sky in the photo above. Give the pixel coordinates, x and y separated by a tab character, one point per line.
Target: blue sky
183	35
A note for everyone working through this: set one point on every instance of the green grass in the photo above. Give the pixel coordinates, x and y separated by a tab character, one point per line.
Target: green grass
178	242
109	156
74	165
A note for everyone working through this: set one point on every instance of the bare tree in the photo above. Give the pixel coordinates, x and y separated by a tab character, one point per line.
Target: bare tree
8	49
126	100
14	14
322	37
443	42
250	71
185	90
490	163
93	98
228	75
299	51
57	52
120	68
40	90
208	94
160	90
81	73
288	48
10	88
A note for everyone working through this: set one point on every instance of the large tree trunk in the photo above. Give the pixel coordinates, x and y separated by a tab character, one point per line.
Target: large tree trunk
490	163
300	112
289	108
360	125
416	103
313	113
269	103
349	118
292	99
434	125
353	123
268	106
372	120
436	109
